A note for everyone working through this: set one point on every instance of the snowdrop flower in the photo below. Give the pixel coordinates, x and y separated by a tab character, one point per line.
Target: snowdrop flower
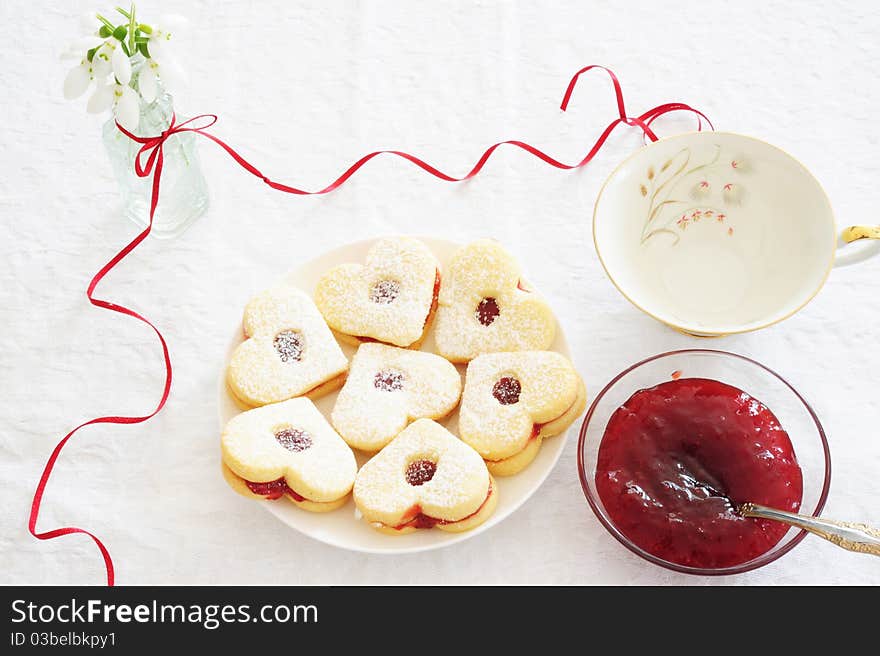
83	74
119	60
160	34
122	99
147	80
169	71
104	57
161	64
108	56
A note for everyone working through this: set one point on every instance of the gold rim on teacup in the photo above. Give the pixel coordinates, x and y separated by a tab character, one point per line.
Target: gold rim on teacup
716	233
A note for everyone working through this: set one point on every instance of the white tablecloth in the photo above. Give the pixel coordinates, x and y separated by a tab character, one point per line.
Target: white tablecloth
304	89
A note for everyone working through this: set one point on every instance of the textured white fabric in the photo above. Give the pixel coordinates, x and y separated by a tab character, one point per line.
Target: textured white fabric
305	88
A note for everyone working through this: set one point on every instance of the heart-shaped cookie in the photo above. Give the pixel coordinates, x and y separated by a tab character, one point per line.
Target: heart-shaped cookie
426	477
288	449
387	388
391	298
484	306
288	351
512	401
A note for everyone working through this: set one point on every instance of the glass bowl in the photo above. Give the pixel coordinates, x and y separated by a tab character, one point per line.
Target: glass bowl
795	415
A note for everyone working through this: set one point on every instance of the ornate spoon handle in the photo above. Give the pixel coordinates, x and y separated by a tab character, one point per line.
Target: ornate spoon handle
860	538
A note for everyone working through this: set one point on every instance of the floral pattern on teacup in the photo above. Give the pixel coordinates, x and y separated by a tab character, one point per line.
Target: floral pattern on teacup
682	192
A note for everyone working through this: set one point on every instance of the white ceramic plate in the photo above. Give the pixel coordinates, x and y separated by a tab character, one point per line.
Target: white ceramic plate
341	528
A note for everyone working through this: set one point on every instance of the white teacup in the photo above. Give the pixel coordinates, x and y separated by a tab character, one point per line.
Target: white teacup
717	233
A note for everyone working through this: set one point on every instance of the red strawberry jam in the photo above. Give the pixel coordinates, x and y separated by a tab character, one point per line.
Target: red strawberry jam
293	439
420	472
417	519
273	490
384	297
487	311
507	390
289	345
388	380
675	462
385	292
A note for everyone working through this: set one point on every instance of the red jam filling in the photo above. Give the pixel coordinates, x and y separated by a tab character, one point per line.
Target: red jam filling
487	311
273	490
289	345
419	520
420	472
678	459
507	390
293	439
536	428
385	292
388	380
436	296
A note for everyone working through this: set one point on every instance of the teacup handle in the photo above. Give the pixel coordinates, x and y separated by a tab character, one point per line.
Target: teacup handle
858	233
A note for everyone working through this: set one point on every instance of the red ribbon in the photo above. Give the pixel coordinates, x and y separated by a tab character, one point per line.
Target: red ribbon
152	149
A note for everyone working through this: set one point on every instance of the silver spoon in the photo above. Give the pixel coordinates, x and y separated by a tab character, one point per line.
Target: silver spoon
860	538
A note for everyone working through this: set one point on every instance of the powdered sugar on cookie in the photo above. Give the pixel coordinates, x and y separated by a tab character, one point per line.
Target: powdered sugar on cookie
507	394
457	487
290	440
483	308
388	299
288	350
388	387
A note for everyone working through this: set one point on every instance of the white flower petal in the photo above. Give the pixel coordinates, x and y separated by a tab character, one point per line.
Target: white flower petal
121	65
172	74
76	82
147	82
127	110
157	46
101	66
101	100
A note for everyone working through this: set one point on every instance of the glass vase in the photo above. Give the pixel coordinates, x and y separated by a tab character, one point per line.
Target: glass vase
183	192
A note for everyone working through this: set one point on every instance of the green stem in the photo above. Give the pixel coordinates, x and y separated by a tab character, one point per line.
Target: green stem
123	12
132	29
110	26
